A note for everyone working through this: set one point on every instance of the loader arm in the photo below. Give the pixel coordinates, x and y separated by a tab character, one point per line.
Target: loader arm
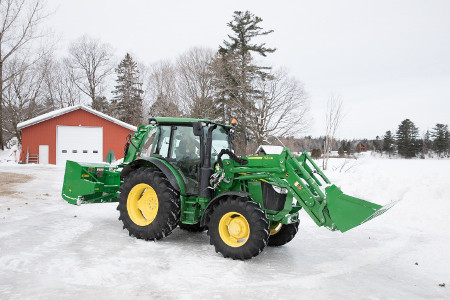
327	205
136	141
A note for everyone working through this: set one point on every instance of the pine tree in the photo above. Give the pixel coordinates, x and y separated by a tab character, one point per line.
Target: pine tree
349	149
100	104
407	142
127	102
441	139
427	144
341	151
388	143
237	68
377	144
316	153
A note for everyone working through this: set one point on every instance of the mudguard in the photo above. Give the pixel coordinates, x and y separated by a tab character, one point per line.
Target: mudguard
217	198
172	175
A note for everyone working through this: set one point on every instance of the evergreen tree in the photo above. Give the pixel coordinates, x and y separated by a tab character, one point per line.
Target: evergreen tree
316	153
388	143
237	93
447	137
344	146
407	142
349	149
127	102
377	144
441	139
427	143
100	104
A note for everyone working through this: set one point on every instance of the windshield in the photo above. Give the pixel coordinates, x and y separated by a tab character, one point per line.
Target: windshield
219	141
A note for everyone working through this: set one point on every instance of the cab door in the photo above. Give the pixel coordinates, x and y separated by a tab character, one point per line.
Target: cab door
184	154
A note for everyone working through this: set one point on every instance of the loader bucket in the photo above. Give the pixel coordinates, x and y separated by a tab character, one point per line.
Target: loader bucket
89	183
347	212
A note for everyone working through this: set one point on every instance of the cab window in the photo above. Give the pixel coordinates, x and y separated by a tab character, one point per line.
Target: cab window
147	148
162	148
219	142
185	155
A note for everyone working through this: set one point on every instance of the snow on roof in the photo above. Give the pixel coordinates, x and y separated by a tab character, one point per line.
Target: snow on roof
66	110
270	149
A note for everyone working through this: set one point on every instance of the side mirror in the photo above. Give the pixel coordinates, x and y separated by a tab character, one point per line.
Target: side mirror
198	129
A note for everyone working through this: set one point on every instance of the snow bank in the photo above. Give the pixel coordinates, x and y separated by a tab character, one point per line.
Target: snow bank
51	249
10	155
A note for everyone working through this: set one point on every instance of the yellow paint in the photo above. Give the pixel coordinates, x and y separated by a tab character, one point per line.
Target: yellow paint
268	157
142	204
234	229
255	157
84	175
275	228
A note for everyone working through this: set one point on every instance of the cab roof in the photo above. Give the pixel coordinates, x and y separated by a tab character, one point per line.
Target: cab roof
182	121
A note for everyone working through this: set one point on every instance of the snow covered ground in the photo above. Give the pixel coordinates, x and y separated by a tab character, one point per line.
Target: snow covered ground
50	249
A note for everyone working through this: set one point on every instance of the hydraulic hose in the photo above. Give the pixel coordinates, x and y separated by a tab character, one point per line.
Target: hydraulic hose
233	156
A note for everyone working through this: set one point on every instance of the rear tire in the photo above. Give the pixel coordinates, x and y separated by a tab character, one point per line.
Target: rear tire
148	205
238	228
282	235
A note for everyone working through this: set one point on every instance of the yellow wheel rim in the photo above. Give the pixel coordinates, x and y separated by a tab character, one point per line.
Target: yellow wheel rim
234	229
275	228
142	204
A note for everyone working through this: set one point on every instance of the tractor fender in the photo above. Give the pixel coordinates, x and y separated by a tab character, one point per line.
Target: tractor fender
171	174
217	198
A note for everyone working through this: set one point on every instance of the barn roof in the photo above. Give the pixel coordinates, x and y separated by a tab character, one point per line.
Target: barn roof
66	110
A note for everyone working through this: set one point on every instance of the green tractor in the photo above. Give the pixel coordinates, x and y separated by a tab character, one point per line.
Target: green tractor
183	172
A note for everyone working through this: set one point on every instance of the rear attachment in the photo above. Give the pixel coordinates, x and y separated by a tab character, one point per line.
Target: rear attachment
90	183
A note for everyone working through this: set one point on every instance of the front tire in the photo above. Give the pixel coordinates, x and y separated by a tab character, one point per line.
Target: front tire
238	228
281	234
148	205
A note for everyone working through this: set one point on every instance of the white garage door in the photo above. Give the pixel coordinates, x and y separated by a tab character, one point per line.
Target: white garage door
78	143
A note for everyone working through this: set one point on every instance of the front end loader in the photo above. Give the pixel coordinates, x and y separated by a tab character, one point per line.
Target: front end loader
183	172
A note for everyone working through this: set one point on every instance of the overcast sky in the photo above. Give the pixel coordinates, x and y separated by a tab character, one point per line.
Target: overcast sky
387	60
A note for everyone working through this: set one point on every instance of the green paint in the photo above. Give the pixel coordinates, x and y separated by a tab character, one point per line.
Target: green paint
110	158
299	178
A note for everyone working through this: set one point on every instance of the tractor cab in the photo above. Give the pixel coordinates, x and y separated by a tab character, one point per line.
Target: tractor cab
183	143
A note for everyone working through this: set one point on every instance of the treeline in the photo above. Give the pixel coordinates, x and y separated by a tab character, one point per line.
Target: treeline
217	84
404	142
407	142
315	145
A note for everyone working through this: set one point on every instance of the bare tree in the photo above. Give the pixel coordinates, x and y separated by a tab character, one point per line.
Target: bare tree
90	62
23	97
163	92
195	82
19	24
333	119
59	88
281	109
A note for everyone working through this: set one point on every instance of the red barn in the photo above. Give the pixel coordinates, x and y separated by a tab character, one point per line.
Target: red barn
76	133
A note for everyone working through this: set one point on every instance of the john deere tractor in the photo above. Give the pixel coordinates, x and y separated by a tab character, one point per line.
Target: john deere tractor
183	172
